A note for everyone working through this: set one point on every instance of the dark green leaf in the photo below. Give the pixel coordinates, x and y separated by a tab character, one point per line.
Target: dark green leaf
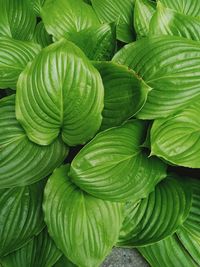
41	36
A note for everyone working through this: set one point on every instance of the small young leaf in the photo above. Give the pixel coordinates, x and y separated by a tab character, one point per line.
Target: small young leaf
83	227
113	166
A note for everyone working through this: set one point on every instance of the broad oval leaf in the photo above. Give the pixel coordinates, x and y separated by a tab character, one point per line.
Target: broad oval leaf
41	36
119	11
168	22
41	251
21	161
177	138
157	216
98	43
21	216
187	7
125	93
83	227
71	102
168	64
113	166
168	252
143	12
17	19
14	56
71	16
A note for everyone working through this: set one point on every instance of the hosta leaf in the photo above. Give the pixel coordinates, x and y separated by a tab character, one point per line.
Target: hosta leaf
143	12
187	7
71	16
64	262
20	216
168	64
125	93
17	19
114	167
168	252
98	43
70	102
14	56
83	227
41	251
37	5
41	36
177	138
168	22
119	11
21	161
157	216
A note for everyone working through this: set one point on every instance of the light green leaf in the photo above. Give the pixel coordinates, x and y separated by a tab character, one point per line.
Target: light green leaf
125	93
168	252
168	64
114	167
83	227
168	22
157	216
187	7
41	36
14	56
21	161
17	19
177	138
20	216
60	92
71	16
98	43
119	11
143	12
41	251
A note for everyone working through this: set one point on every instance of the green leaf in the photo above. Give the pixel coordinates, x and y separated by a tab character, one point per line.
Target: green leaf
157	216
17	19
21	161
64	262
168	22
71	16
187	7
41	251
37	6
143	12
20	216
41	36
177	138
168	252
83	227
98	43
114	167
14	56
168	64
119	11
125	93
71	102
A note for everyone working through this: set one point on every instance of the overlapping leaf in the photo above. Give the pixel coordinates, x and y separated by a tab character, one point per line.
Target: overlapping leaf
83	227
177	138
41	251
187	7
64	262
60	92
168	64
41	36
114	167
37	6
17	19
143	12
98	43
71	16
169	22
125	93
20	216
120	12
157	216
14	56
21	161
